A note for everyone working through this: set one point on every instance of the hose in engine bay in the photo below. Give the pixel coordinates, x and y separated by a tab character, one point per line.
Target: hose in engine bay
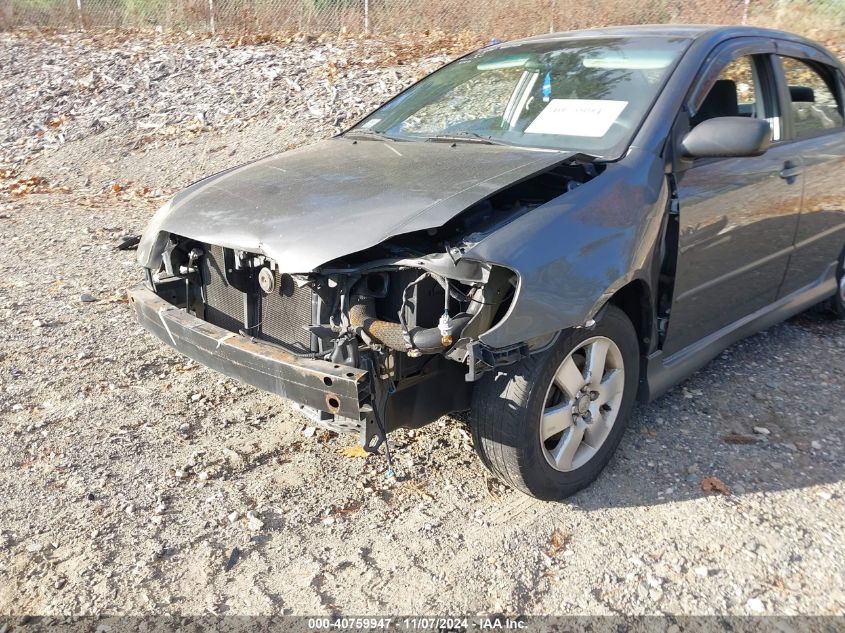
362	314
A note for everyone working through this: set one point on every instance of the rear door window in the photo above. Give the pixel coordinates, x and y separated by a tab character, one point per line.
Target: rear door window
814	102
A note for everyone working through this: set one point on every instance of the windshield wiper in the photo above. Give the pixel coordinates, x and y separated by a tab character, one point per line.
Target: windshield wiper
374	135
465	137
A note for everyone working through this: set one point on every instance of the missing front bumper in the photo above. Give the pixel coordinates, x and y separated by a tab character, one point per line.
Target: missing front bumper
337	389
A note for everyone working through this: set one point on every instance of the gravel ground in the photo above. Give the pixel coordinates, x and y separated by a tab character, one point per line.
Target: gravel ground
135	482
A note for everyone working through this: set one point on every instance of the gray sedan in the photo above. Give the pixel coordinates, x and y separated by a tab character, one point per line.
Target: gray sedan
542	232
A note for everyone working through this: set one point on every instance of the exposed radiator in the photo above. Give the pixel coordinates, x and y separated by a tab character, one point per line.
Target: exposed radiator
224	304
285	313
282	315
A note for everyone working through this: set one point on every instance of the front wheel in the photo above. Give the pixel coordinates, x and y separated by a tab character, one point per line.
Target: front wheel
548	424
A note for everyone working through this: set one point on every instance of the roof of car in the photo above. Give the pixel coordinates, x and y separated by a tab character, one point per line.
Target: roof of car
704	33
691	31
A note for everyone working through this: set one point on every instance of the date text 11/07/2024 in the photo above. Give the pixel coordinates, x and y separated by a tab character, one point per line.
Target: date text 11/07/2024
419	623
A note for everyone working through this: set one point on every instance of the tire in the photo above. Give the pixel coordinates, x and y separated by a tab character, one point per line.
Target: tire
513	406
835	305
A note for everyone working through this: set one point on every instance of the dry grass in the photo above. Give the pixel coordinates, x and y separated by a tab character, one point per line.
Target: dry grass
504	19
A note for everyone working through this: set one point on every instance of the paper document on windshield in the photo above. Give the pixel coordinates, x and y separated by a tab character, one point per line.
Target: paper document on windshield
577	117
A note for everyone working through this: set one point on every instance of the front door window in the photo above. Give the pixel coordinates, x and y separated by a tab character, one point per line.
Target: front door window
739	92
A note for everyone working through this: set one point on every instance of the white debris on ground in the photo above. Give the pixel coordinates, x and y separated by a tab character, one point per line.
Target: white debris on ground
140	93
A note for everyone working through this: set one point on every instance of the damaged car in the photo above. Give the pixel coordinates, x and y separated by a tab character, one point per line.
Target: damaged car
541	232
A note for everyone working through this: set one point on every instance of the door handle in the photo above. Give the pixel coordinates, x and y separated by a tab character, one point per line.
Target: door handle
790	171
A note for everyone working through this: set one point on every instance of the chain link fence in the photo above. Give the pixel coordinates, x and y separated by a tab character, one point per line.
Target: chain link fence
500	18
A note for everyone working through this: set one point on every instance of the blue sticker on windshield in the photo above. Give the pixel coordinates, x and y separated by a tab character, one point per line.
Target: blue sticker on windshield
547	87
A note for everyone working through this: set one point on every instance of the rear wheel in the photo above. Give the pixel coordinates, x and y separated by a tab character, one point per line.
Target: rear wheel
549	424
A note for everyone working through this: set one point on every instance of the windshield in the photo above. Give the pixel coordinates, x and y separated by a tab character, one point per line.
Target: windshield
586	95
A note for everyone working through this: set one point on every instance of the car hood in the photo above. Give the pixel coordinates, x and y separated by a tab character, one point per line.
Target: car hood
306	207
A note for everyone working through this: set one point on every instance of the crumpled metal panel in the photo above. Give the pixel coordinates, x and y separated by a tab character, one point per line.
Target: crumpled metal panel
572	253
306	207
323	385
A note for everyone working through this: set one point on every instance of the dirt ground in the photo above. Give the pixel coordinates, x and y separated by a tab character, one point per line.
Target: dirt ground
135	482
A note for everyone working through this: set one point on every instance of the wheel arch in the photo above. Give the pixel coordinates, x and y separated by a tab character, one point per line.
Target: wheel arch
635	300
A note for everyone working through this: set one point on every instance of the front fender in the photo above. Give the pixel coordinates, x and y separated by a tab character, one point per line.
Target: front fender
575	251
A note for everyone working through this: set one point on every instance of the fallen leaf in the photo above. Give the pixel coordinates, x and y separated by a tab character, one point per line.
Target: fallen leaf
57	122
557	541
23	186
325	436
419	489
352	507
354	451
493	488
116	298
738	438
714	484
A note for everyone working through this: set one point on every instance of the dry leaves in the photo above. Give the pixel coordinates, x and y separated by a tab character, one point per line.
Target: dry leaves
417	488
738	438
557	542
326	436
33	184
163	88
129	191
119	297
494	488
354	451
351	507
714	485
58	121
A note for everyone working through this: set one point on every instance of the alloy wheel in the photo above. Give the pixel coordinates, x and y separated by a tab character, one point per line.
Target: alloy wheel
582	403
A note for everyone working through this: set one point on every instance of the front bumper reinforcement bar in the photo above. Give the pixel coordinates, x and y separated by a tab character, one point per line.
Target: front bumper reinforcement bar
337	389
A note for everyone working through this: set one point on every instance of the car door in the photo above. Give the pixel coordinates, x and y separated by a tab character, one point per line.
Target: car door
813	91
737	216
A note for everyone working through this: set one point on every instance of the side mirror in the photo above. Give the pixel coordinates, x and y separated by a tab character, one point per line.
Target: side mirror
727	137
